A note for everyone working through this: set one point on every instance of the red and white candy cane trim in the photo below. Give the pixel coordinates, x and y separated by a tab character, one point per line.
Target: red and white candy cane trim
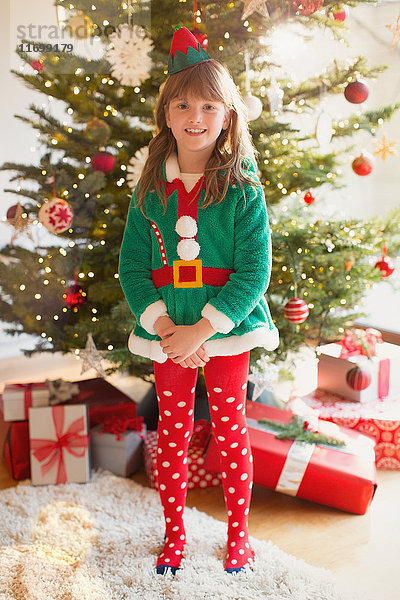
160	243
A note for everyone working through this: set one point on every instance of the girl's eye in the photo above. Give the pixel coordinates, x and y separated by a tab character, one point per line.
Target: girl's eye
209	106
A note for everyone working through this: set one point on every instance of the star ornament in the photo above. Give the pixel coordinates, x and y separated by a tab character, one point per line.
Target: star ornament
395	29
384	148
252	6
91	357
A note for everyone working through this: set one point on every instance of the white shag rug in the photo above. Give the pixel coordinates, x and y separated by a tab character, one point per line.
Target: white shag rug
100	541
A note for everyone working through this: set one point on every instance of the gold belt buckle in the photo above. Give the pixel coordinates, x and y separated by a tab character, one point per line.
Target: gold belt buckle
197	282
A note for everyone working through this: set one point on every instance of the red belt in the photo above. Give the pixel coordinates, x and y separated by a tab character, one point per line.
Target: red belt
188	274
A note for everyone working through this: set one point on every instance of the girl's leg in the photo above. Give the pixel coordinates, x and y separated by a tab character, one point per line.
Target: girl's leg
175	388
226	379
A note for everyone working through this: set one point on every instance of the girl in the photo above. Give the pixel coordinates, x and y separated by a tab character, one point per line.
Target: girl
194	266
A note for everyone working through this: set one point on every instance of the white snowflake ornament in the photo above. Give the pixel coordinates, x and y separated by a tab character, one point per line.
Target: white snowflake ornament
128	54
135	167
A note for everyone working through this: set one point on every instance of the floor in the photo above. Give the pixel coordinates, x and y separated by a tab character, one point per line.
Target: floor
361	550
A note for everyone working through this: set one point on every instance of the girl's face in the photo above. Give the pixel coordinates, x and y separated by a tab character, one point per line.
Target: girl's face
196	124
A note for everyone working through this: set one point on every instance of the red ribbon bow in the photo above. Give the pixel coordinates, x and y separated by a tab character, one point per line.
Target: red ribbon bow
73	441
360	342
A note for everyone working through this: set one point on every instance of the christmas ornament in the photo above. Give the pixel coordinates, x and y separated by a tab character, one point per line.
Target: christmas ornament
384	147
254	107
56	215
186	51
201	37
254	6
358	378
91	357
80	26
339	13
263	379
395	29
296	311
37	65
75	296
323	129
275	96
14	212
104	162
299	429
356	92
307	7
18	219
97	131
362	164
308	198
349	263
385	264
135	166
128	54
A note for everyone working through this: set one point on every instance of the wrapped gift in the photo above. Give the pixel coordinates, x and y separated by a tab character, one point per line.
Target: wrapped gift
198	475
379	419
342	477
59	444
14	443
117	445
384	368
18	397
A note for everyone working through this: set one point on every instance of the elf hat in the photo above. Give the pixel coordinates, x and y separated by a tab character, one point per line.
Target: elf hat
186	51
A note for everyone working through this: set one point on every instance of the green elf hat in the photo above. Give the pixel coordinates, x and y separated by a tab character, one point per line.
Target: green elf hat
186	51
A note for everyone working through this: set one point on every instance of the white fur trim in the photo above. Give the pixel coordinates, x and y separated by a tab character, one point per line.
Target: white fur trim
172	169
151	314
147	348
186	227
219	321
188	249
236	344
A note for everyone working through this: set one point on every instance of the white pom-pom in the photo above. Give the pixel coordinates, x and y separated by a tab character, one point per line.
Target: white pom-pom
254	107
188	249
186	227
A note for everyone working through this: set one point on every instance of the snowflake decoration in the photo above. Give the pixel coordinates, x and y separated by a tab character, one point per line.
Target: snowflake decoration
384	147
135	166
128	55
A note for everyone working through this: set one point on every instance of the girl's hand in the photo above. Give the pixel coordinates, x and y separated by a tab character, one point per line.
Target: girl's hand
197	359
162	324
181	341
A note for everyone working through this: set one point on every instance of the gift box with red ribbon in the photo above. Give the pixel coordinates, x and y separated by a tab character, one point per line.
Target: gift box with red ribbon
59	444
104	401
117	445
341	477
336	360
379	419
18	397
198	475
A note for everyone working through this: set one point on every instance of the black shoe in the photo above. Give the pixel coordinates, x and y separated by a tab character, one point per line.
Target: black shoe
164	569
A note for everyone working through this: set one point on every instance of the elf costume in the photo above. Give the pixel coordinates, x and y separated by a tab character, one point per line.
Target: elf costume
191	263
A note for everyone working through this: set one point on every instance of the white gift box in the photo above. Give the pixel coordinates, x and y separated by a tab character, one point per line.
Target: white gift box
123	456
59	444
18	397
384	369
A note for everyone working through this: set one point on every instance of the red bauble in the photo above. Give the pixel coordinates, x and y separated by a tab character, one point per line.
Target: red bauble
358	378
356	92
75	296
340	15
296	310
308	198
362	164
201	37
103	161
37	65
307	7
12	213
386	265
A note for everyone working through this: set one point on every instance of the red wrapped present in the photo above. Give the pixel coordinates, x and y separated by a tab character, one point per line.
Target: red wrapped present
104	401
18	397
344	478
59	444
198	475
379	419
384	368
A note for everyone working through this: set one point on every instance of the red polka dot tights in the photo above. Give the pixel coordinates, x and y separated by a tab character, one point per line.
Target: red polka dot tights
226	380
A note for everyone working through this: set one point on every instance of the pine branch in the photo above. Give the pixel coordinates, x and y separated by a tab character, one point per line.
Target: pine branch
298	429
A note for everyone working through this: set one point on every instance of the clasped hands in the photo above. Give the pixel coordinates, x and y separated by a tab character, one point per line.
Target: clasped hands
183	343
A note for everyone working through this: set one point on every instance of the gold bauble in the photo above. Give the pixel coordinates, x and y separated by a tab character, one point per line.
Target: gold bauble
80	26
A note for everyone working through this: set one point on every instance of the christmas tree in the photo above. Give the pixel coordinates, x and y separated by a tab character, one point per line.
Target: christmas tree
92	159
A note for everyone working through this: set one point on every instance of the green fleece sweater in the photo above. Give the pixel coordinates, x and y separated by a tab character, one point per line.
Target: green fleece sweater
232	235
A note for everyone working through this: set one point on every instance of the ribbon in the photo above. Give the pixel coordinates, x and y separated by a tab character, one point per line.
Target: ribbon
27	388
119	425
73	441
383	378
360	342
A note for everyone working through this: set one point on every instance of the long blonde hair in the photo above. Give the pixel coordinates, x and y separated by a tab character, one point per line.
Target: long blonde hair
210	80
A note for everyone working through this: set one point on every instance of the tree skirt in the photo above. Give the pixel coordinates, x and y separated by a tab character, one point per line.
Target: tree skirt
100	540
